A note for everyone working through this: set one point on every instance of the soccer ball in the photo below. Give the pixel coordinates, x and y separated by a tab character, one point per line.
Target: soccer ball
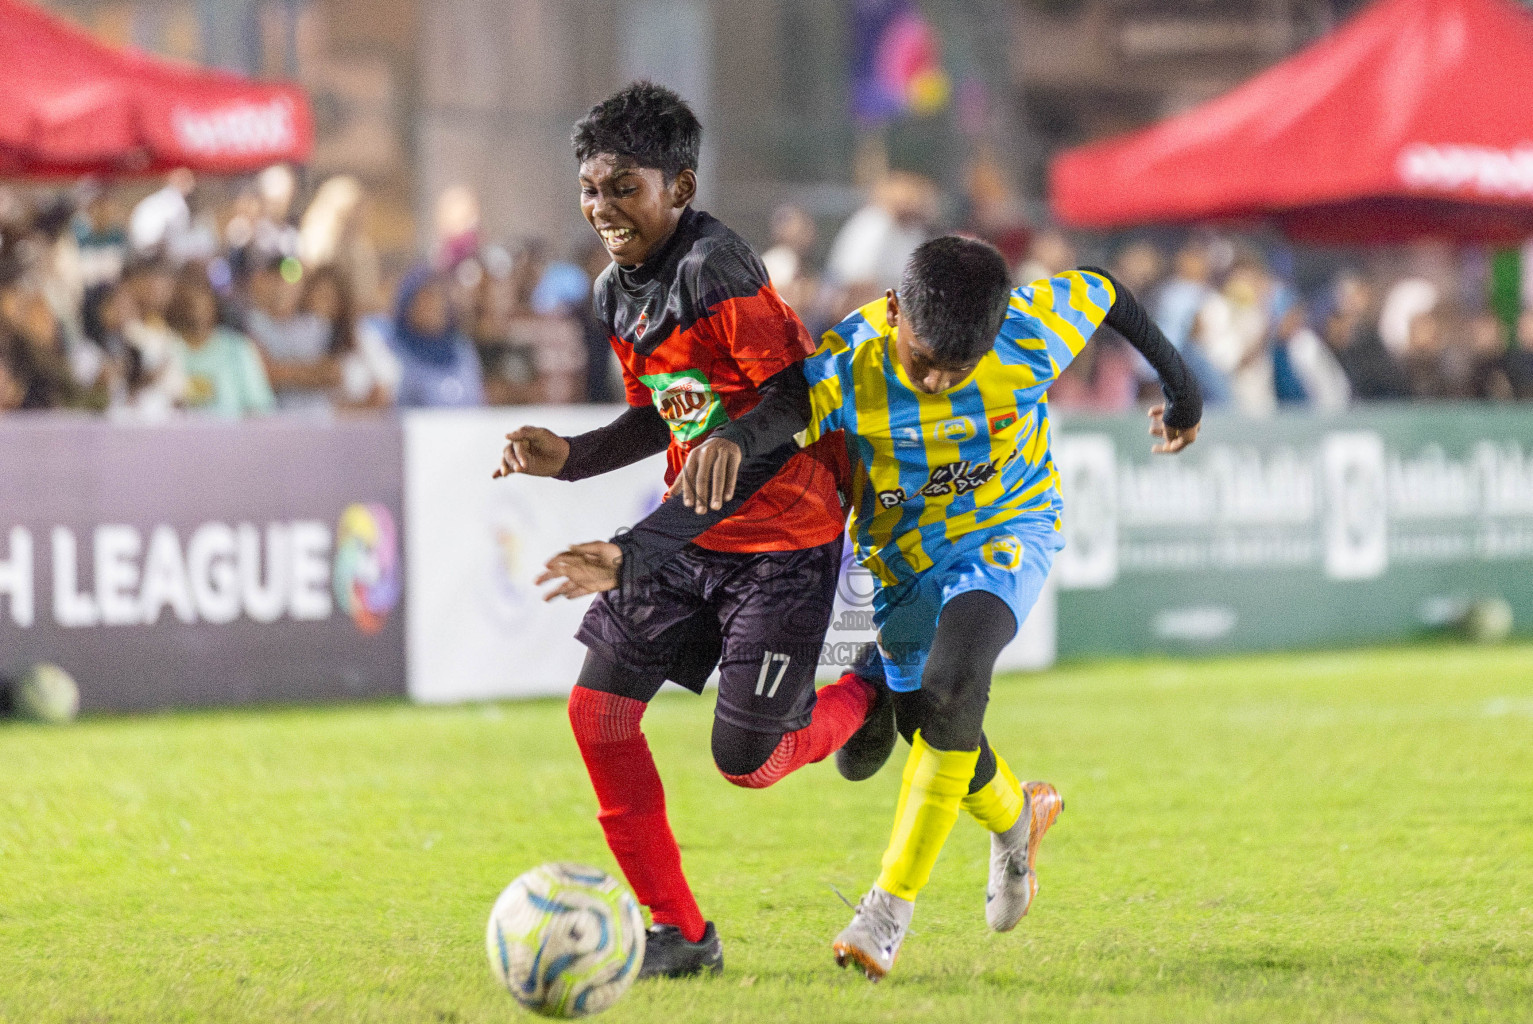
45	693
565	940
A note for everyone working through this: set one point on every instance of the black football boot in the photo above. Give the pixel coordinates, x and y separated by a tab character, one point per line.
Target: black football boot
861	756
668	954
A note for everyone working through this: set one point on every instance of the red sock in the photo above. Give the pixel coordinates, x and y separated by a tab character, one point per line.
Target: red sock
839	710
632	802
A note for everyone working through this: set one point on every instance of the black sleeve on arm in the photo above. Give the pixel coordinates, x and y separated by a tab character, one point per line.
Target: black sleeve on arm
782	412
1184	400
637	434
765	436
672	526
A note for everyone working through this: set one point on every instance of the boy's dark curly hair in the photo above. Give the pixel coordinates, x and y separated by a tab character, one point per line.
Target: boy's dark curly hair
646	122
954	293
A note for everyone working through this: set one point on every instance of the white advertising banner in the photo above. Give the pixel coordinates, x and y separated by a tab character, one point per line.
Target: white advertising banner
477	626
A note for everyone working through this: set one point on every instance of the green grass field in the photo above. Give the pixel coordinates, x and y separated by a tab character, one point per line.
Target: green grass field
1339	837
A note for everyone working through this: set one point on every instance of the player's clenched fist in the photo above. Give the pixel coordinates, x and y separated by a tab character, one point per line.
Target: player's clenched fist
708	478
534	451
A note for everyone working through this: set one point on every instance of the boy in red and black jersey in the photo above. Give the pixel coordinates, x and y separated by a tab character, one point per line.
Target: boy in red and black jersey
701	333
703	339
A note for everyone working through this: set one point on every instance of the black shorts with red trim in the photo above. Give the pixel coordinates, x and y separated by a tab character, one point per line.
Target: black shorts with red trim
760	618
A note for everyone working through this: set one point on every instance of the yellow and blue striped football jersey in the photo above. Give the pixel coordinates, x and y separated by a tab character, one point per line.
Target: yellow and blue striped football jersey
931	468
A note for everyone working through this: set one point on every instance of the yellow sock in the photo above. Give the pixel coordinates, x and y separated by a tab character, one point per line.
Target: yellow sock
1000	803
906	778
938	780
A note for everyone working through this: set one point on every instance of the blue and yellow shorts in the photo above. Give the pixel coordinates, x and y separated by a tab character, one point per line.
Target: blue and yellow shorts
1010	560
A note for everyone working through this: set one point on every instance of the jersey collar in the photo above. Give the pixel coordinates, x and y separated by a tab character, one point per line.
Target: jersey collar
634	278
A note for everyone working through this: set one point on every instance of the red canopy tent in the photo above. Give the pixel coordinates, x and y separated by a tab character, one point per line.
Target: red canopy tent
1412	120
70	105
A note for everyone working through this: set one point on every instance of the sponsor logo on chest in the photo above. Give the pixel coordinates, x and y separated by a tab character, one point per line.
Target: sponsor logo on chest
686	401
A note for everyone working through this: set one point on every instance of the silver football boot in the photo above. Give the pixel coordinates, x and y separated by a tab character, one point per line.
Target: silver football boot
873	939
1014	854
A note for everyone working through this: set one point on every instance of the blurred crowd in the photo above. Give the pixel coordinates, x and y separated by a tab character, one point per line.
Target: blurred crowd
250	305
1414	323
244	300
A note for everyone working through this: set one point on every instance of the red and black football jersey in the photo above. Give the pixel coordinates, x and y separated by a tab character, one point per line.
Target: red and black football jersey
698	327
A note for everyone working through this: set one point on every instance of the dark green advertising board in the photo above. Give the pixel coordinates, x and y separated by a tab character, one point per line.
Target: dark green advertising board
1377	526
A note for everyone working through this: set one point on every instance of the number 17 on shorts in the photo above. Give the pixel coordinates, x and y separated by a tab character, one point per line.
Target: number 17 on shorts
773	666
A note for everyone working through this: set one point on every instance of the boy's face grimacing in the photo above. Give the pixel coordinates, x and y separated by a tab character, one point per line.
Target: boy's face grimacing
918	361
631	207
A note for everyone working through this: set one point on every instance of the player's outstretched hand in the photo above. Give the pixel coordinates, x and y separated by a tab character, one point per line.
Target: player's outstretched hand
534	451
1174	438
584	569
708	478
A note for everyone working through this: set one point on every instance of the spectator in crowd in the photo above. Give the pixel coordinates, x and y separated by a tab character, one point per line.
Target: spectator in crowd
274	233
1049	253
559	286
13	393
1138	266
1305	372
439	366
531	348
1108	375
869	252
1406	300
509	366
1232	331
162	218
1519	361
366	369
457	227
1352	332
108	312
787	261
37	357
1487	363
602	368
1176	312
546	326
333	232
160	380
295	344
1489	374
994	212
1425	363
558	356
223	370
101	237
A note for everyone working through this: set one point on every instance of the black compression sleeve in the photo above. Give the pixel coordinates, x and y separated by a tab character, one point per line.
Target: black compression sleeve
673	525
637	434
782	412
765	436
1184	400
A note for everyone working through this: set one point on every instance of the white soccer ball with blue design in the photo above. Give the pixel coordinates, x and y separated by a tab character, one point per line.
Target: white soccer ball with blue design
566	940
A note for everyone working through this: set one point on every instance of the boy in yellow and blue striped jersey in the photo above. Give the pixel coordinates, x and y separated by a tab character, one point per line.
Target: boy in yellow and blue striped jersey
939	392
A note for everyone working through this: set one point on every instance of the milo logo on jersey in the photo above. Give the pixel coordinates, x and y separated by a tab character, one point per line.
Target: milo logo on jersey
686	402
